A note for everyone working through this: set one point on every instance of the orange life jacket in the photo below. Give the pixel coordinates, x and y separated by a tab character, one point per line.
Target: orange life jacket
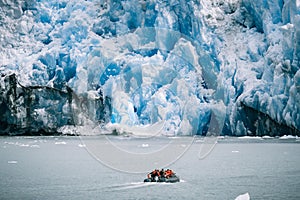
168	173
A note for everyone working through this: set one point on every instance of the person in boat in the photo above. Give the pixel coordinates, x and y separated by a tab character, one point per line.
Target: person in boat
169	173
162	176
154	173
162	173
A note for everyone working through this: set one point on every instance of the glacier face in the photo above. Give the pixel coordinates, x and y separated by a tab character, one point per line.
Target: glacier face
139	62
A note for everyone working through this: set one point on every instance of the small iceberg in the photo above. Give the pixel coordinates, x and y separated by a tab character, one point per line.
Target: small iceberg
35	146
61	143
23	145
245	196
267	137
250	137
143	145
12	162
287	137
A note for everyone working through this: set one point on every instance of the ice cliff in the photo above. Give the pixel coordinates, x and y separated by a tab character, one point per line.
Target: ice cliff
137	62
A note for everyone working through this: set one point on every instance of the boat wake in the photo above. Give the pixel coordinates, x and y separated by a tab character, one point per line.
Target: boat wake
126	186
136	185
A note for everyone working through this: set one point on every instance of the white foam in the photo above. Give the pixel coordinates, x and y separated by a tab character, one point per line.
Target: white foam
132	185
139	131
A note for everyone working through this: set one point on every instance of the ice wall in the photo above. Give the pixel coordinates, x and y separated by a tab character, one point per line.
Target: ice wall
274	56
138	62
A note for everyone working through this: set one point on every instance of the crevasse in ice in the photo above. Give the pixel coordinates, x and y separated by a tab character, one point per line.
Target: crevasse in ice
139	62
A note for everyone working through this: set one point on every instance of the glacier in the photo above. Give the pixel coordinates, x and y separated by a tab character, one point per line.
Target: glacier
133	63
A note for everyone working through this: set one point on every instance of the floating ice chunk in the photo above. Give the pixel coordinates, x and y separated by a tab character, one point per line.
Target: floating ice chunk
286	137
267	137
11	143
235	151
81	145
250	137
23	145
199	140
61	143
12	162
144	145
35	146
245	196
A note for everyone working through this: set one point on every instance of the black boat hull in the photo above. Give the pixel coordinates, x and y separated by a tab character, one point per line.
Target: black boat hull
172	179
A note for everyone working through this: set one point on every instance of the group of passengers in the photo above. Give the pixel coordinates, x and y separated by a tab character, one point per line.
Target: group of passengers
161	173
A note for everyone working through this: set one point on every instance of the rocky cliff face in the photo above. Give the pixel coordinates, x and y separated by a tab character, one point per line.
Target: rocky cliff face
23	110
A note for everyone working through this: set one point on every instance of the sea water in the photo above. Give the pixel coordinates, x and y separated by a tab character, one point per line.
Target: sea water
65	168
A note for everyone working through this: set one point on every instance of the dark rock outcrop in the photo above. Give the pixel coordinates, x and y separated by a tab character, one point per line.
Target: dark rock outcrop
42	110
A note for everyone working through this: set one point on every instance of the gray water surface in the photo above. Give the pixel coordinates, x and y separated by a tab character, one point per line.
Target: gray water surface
62	168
